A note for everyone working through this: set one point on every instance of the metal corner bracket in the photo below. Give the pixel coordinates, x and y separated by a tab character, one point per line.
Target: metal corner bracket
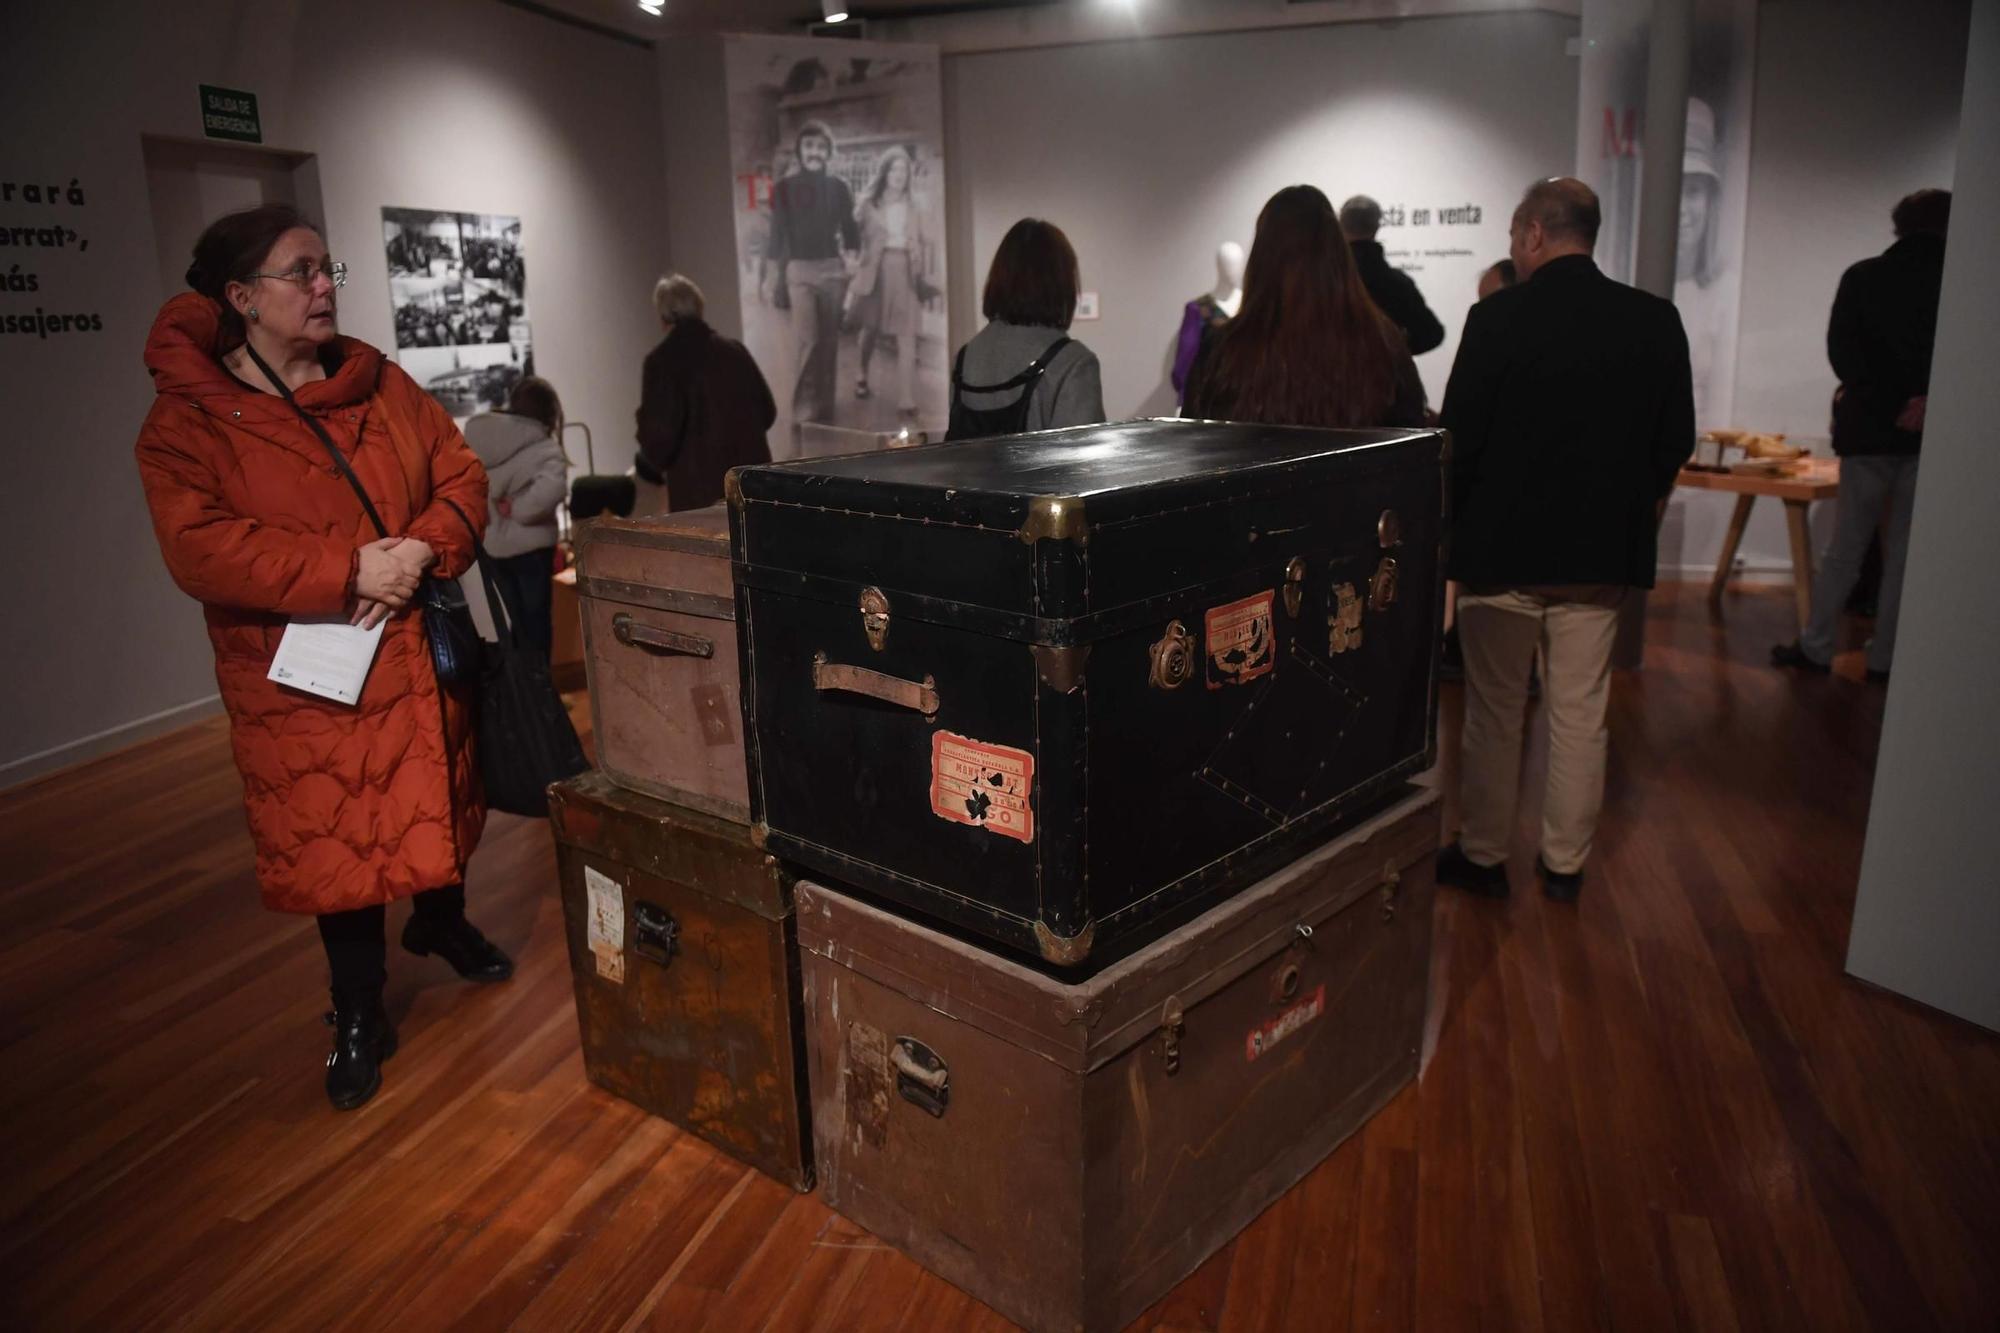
1061	669
1056	518
1063	950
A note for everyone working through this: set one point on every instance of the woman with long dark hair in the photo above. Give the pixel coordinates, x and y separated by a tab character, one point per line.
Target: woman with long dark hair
888	287
1308	348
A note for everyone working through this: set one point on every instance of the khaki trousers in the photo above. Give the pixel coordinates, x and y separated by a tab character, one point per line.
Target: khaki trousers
1500	634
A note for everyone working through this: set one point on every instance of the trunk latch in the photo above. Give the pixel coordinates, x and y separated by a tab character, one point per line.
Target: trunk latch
921	1077
1173	658
875	617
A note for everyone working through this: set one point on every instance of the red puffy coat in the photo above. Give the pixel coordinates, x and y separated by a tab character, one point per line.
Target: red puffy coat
349	806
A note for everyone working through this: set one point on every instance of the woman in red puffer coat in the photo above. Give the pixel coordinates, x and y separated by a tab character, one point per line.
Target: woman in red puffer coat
351	806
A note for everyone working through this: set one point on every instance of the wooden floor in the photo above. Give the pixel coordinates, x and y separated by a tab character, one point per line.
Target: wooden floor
1664	1108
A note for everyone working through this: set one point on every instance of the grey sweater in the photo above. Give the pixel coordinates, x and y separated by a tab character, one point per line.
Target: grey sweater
524	464
1069	393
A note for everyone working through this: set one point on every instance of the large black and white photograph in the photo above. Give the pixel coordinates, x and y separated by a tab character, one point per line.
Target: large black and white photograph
836	150
458	290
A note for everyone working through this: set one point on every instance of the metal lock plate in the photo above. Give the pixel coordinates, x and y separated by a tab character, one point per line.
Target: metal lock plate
922	1078
1392	888
1382	588
1343	627
656	936
1172	658
875	617
1295	579
1389	529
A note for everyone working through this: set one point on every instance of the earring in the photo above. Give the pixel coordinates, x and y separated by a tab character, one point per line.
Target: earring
253	313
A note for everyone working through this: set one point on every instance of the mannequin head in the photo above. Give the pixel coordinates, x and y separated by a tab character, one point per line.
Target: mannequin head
1228	267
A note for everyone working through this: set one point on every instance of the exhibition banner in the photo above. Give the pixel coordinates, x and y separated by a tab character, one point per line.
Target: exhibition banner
1715	171
836	153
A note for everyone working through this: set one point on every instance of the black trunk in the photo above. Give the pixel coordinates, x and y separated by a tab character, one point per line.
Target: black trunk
1064	690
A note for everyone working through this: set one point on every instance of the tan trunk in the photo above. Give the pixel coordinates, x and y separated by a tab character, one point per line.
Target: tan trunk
1066	1153
659	625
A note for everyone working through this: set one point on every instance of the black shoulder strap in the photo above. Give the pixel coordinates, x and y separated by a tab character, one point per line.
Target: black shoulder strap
339	460
958	369
1029	376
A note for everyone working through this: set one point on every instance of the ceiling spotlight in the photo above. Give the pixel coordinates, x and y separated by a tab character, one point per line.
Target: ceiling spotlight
652	6
834	10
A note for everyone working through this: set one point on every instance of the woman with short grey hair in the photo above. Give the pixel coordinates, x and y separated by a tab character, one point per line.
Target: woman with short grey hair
703	404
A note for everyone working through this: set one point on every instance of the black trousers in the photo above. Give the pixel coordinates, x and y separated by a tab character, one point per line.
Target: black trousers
523	583
357	945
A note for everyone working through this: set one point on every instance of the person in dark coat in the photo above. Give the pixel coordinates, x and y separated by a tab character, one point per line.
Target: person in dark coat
1393	290
1571	409
1879	340
704	407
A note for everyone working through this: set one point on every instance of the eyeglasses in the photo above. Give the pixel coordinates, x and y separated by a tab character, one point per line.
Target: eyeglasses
305	271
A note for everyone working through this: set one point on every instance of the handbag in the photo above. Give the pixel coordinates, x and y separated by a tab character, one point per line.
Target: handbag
453	638
526	740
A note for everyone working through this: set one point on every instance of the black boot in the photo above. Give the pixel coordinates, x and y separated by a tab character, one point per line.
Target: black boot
459	943
363	1037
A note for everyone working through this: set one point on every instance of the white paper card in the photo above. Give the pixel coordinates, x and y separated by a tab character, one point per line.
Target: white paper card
328	657
606	924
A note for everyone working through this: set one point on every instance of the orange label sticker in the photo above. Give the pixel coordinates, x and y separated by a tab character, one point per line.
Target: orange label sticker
1263	1038
1238	637
983	785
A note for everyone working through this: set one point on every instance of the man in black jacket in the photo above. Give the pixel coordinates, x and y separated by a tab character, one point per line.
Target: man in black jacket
1571	409
1879	340
1394	290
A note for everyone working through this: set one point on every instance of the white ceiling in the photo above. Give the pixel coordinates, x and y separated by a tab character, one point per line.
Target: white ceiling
738	15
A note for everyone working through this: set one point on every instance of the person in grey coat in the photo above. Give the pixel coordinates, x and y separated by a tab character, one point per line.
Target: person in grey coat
1023	372
527	477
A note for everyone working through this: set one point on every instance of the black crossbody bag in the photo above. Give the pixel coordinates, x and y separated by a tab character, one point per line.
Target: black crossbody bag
454	639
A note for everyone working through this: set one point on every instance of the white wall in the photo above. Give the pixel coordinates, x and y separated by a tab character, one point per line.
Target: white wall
1149	153
461	104
1856	105
1927	917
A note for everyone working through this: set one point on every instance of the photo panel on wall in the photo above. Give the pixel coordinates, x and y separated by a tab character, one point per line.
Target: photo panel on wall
458	293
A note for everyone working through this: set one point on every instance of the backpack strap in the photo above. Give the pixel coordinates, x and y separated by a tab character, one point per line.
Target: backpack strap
1035	370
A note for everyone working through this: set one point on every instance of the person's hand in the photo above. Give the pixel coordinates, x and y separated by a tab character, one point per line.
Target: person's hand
417	555
367	614
1911	418
504	506
380	575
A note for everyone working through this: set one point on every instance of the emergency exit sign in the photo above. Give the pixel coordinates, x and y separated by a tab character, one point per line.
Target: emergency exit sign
228	113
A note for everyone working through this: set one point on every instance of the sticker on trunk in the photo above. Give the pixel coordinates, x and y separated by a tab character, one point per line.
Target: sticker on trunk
983	785
604	927
1239	641
1265	1036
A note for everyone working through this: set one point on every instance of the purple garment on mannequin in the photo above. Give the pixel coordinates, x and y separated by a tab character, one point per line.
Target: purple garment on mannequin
1192	320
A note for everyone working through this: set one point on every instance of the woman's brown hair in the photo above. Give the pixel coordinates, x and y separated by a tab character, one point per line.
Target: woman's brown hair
535	398
1308	348
1034	277
232	248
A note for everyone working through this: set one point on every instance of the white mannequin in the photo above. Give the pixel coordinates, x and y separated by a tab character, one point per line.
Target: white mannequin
1228	293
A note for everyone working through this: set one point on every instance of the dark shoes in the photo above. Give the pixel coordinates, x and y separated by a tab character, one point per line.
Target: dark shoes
1559	887
363	1037
1460	871
1793	656
459	943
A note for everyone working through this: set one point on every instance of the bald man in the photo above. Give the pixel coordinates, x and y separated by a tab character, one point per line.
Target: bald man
1571	409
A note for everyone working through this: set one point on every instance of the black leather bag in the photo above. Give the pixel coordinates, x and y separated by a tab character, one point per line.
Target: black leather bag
526	740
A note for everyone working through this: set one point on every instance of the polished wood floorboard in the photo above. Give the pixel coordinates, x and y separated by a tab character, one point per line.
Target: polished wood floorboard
1665	1108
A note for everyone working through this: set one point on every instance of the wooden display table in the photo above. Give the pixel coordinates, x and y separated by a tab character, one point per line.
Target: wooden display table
1814	479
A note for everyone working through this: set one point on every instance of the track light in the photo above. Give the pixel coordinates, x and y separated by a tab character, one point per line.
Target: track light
835	11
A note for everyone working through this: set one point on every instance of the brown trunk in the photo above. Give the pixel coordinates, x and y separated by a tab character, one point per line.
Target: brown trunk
1086	1146
685	959
659	624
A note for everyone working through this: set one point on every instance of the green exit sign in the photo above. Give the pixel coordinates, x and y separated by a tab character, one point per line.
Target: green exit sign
229	113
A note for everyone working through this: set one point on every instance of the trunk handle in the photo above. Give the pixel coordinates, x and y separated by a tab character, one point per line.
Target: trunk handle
917	696
634	635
